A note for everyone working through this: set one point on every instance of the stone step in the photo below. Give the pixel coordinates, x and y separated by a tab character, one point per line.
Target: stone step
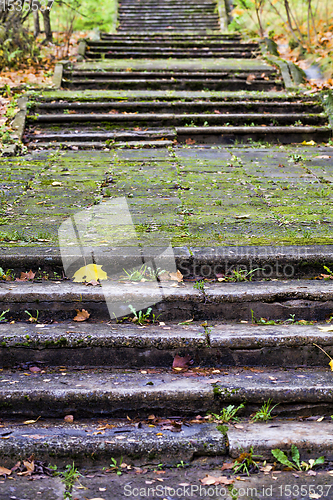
170	84
135	446
91	393
143	53
167	37
273	262
153	43
181	135
308	299
181	120
129	346
224	107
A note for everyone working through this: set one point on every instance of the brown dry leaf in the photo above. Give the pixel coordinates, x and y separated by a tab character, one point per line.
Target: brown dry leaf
26	276
227	465
182	362
324	157
81	315
211	480
30	466
177	276
217	111
4	471
69	418
213	381
267	468
250	78
190	141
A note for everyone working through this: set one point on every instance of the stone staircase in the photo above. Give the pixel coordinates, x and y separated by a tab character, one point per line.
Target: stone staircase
147	87
148	16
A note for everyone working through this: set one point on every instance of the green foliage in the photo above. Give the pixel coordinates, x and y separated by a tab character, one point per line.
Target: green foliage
2	316
245	463
88	15
228	414
115	466
296	464
264	414
199	285
140	317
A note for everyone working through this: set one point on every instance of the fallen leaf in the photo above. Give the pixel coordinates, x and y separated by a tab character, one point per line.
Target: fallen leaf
69	418
227	465
314	495
267	468
182	362
34	369
238	426
246	216
26	276
4	471
56	183
190	141
81	315
27	422
309	143
92	272
211	480
250	79
324	157
312	473
177	276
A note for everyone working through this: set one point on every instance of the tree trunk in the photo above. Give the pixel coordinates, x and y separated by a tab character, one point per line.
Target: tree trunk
47	23
36	23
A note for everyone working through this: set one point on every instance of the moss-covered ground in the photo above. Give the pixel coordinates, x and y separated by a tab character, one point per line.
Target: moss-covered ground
208	196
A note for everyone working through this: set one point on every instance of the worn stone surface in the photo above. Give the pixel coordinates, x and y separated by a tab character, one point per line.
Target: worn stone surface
312	439
102	392
130	346
96	483
197	197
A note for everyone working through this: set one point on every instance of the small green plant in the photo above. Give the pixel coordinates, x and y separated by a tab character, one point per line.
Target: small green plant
228	414
2	316
6	275
137	274
140	317
296	463
264	414
296	158
69	477
245	463
241	275
330	274
32	319
199	285
182	464
115	466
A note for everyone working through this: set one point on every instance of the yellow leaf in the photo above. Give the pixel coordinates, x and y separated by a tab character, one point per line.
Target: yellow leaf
31	421
331	364
92	272
309	143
